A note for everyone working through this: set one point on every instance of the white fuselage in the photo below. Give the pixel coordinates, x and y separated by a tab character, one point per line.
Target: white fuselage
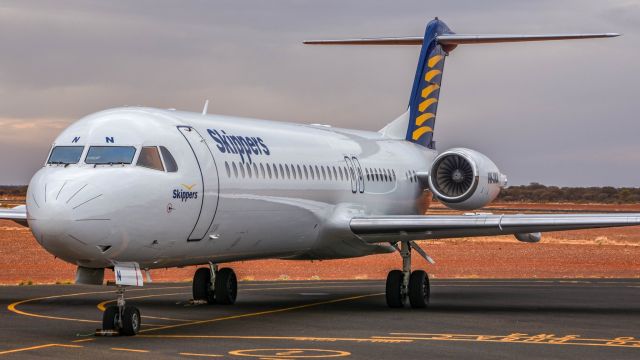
244	189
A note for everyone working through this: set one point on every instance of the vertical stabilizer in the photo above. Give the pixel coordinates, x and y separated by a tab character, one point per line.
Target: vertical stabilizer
423	103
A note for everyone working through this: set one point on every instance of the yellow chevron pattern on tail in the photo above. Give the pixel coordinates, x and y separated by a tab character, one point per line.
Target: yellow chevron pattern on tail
428	94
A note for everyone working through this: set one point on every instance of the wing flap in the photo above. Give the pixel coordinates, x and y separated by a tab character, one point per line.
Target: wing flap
377	229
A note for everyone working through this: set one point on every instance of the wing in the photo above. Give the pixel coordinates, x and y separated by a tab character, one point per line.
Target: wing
17	214
377	229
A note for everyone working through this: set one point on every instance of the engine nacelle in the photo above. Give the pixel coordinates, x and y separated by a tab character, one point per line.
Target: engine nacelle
464	179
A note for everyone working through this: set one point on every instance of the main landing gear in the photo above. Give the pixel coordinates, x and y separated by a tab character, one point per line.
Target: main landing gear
121	319
215	286
404	287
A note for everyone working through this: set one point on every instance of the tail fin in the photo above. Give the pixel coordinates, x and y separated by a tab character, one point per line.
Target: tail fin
438	41
423	102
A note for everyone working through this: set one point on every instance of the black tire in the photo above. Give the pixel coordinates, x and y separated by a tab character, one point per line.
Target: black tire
394	289
419	290
202	286
110	318
131	321
226	286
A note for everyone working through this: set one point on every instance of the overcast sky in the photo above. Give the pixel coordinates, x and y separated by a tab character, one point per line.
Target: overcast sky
561	113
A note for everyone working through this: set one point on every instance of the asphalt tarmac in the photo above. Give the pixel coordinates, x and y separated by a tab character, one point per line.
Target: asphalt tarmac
479	319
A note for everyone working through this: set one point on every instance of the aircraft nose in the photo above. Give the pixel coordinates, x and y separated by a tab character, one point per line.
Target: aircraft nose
67	218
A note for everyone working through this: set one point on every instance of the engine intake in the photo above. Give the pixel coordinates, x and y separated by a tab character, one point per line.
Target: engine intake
454	177
464	179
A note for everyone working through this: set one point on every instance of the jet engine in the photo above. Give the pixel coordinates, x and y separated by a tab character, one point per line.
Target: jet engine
464	179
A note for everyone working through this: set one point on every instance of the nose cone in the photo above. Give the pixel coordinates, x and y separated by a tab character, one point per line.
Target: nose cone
66	216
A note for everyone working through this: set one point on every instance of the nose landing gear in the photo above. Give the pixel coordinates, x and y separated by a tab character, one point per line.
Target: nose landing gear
215	286
406	288
121	319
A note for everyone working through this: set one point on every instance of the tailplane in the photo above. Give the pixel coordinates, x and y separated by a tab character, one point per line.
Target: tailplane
418	123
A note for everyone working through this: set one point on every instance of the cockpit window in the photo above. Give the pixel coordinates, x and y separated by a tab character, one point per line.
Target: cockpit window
169	161
110	155
65	155
150	158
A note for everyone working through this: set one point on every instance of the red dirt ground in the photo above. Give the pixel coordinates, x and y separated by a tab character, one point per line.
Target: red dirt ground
610	253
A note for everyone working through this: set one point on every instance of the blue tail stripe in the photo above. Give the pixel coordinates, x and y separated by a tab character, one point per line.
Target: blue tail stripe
422	110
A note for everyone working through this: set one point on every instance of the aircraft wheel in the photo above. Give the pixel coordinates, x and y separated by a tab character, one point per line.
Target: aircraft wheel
226	286
394	289
419	289
202	286
131	321
110	318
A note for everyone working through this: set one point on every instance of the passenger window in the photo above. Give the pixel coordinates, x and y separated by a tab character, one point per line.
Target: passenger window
110	155
149	158
235	170
262	171
281	172
286	166
340	171
324	174
226	165
65	155
275	170
269	170
255	170
299	172
306	173
169	161
241	170
335	173
313	175
248	170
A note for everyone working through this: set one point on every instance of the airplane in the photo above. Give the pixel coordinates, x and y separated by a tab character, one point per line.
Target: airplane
136	188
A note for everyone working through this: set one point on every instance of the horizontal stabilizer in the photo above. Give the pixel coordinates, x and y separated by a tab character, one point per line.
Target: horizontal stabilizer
411	40
459	39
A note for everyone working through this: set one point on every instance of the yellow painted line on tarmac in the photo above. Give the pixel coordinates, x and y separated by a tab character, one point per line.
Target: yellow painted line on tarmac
165	318
130	350
45	346
266	312
521	338
294	338
102	306
83	340
200	355
14	306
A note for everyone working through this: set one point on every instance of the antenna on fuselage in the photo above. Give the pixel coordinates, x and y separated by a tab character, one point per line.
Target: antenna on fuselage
206	107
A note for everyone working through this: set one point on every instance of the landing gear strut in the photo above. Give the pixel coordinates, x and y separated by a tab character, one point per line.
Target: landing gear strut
121	318
406	288
215	286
